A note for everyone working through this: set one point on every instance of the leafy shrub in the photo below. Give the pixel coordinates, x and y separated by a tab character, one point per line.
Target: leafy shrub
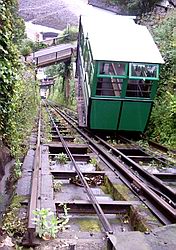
47	224
26	51
17	173
163	118
12	224
57	185
70	34
17	87
27	46
61	158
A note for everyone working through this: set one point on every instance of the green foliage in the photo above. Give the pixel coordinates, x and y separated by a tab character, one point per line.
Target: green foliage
56	69
163	118
26	51
57	185
17	90
64	218
12	224
70	34
46	223
61	158
46	126
38	45
93	161
27	46
22	112
135	7
58	91
18	23
17	173
9	62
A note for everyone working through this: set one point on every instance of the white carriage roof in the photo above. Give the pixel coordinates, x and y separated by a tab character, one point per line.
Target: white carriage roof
118	38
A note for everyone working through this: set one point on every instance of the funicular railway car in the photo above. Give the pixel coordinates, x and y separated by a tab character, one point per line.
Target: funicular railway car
118	70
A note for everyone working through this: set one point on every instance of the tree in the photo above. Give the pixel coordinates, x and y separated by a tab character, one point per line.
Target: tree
26	51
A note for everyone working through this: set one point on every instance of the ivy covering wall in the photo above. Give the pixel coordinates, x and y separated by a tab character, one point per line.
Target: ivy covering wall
163	118
17	86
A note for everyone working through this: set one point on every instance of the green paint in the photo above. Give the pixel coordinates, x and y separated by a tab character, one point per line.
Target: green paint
154	89
89	225
142	77
114	76
124	88
107	114
94	79
134	115
104	114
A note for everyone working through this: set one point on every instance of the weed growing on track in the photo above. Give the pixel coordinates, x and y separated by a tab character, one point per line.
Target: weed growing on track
61	158
57	185
12	224
17	173
48	224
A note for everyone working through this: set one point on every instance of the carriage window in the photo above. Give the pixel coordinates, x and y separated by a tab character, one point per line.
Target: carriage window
113	69
109	86
139	88
143	71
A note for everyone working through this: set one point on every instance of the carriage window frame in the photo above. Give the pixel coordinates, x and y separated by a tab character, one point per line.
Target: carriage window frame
139	90
143	77
113	76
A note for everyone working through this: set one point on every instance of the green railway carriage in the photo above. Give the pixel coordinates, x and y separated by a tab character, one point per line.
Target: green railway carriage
118	70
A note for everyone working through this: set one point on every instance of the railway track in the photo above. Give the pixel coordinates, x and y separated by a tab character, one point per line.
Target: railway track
148	186
78	193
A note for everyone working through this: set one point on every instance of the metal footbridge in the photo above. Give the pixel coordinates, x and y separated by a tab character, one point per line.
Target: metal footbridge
54	54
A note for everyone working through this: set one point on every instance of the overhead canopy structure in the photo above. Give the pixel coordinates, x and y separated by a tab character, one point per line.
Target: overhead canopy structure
119	38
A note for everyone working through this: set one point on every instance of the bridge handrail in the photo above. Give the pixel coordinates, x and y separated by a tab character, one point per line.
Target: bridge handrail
54	39
53	56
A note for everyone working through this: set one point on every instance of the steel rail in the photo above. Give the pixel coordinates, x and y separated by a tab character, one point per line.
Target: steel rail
98	209
163	210
34	188
152	143
161	147
160	159
151	178
169	194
